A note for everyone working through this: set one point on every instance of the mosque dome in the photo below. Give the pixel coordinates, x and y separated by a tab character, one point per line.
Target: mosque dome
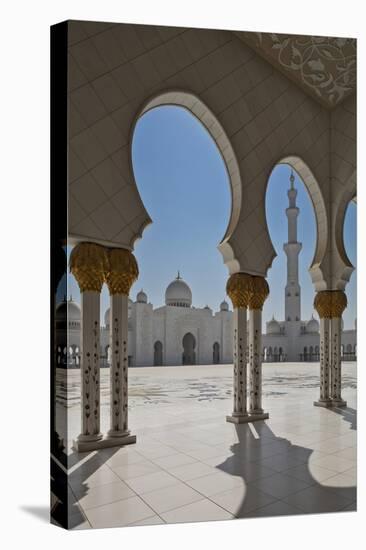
68	310
141	297
178	293
273	326
224	306
312	325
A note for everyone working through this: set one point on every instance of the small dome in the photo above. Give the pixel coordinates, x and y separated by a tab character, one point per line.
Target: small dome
312	325
224	306
68	309
141	297
273	326
178	293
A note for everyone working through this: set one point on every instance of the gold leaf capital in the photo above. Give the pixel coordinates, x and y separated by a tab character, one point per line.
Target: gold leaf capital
122	271
87	264
238	289
259	292
330	303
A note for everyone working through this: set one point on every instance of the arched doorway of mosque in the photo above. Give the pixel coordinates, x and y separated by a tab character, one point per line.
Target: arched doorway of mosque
216	353
158	354
189	345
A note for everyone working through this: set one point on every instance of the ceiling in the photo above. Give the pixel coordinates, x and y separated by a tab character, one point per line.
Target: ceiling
324	67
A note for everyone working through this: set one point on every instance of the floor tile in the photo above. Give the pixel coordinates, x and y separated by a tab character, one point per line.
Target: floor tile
104	494
350	453
203	510
242	500
125	458
153	520
191	471
120	513
309	473
102	476
172	497
277	508
150	482
280	485
331	462
281	462
173	461
215	483
317	499
129	471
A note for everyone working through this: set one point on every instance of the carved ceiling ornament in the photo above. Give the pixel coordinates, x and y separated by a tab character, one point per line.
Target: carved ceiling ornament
323	66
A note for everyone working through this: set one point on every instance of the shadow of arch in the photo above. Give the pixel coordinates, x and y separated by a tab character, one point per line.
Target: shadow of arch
270	492
316	197
209	121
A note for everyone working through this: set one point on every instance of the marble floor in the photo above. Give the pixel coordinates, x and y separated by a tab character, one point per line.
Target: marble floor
190	465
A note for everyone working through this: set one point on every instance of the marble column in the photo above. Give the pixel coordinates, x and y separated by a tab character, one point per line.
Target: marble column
122	273
323	305
260	291
238	289
330	305
88	264
339	303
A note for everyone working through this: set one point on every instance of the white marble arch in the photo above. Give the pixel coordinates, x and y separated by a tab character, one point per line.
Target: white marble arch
205	116
343	268
316	269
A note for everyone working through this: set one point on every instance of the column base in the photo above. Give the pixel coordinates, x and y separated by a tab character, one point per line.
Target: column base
329	403
246	418
323	403
339	403
104	443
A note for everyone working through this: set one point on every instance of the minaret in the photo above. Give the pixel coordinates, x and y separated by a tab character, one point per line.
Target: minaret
292	249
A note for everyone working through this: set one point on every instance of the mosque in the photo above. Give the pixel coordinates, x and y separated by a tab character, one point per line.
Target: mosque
180	334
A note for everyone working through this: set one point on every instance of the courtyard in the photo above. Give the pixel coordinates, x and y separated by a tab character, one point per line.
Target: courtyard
189	464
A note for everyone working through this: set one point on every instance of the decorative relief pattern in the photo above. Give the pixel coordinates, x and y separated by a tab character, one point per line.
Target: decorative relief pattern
259	292
240	365
323	66
247	290
255	362
324	360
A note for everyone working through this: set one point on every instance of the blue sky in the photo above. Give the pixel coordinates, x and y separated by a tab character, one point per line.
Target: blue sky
184	185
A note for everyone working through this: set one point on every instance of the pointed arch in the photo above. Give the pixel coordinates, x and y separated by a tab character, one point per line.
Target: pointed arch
209	121
317	269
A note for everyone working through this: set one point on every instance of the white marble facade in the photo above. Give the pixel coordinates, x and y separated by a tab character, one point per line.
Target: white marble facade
180	334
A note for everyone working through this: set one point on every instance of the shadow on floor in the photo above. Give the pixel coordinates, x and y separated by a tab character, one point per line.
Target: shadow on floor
65	510
349	415
271	493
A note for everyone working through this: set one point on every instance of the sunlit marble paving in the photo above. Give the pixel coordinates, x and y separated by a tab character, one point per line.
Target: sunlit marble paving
190	465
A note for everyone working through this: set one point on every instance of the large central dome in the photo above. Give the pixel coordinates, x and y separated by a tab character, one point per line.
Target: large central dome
178	293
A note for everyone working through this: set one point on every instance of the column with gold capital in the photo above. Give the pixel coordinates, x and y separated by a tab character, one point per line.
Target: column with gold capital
238	289
323	305
339	304
259	293
87	264
122	272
